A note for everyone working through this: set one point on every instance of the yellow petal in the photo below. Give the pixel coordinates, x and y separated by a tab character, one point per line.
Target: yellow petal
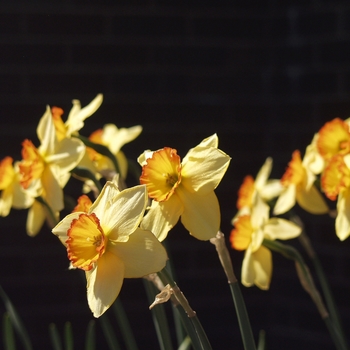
312	201
121	213
211	141
142	254
203	169
35	219
241	235
263	174
77	115
104	283
286	200
6	201
277	228
52	189
257	268
61	229
142	159
260	212
342	222
162	217
47	133
201	215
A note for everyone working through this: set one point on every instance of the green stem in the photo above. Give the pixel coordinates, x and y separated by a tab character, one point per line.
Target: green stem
241	311
308	284
159	318
203	339
124	325
328	295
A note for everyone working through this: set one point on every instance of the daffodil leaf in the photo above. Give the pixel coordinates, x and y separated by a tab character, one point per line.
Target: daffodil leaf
68	336
90	340
109	334
55	337
9	339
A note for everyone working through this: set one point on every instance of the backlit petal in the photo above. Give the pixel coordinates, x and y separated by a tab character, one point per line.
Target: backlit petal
241	235
142	254
201	215
47	133
277	228
35	219
61	229
211	141
162	217
104	283
203	169
263	174
6	201
342	222
286	200
312	201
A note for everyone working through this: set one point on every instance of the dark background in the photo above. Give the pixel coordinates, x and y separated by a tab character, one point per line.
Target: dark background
264	75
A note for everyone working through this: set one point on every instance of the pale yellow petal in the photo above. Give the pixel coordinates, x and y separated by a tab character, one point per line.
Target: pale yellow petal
67	154
61	229
6	200
342	222
104	283
257	268
312	201
201	215
260	212
211	141
203	169
142	254
77	115
35	219
142	159
124	212
271	190
263	174
47	134
286	200
277	228
52	189
162	217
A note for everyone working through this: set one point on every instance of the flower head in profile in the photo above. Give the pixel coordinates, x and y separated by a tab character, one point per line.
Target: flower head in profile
298	182
260	186
13	195
48	167
113	138
106	242
184	188
249	234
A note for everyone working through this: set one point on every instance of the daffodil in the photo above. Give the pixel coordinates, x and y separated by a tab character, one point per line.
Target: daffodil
107	243
113	138
249	233
48	166
13	195
184	189
298	182
335	182
261	186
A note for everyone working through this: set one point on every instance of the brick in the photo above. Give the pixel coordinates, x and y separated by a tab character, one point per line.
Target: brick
148	26
317	24
247	28
65	24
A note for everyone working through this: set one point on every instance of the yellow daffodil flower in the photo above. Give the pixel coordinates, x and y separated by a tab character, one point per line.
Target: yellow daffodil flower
335	182
184	189
298	182
107	243
114	138
249	233
13	195
48	165
262	186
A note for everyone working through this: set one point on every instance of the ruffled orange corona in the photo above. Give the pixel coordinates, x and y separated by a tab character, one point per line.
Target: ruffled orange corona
295	172
61	129
335	177
84	204
32	166
241	235
246	192
86	241
6	172
334	138
162	175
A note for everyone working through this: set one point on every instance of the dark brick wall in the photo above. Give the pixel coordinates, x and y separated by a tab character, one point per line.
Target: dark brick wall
264	75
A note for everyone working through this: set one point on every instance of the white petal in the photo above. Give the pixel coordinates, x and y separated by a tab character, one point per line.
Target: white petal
277	228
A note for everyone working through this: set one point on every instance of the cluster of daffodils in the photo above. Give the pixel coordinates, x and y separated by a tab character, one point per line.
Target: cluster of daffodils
119	234
324	171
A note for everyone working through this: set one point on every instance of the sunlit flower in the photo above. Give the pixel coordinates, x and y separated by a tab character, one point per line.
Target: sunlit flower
261	186
184	188
249	233
298	182
334	138
12	193
49	165
336	184
107	243
113	138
